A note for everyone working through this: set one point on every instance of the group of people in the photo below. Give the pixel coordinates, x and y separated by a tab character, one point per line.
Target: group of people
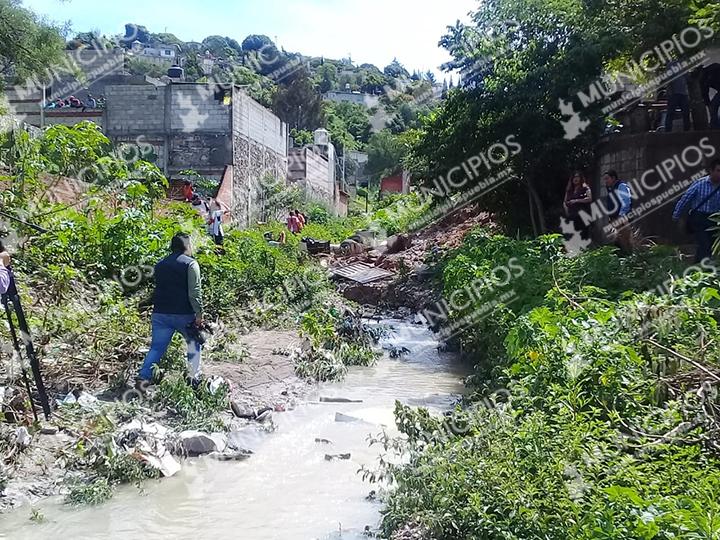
296	221
578	202
694	208
211	211
73	102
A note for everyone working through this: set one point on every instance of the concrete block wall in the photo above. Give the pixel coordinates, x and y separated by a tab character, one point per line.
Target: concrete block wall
206	153
70	118
318	177
195	107
252	120
635	154
152	149
134	109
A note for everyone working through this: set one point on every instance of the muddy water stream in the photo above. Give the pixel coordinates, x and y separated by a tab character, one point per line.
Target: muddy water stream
287	490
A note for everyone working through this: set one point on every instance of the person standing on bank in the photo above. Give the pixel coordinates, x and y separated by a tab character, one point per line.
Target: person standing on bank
678	96
578	197
215	222
701	201
4	278
177	307
618	207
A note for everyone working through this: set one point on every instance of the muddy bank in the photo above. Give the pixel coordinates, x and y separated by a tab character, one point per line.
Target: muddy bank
302	480
37	466
413	259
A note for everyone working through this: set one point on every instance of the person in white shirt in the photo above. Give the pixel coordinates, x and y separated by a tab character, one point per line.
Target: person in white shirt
215	222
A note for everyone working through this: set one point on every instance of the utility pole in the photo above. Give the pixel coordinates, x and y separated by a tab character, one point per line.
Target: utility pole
42	107
343	169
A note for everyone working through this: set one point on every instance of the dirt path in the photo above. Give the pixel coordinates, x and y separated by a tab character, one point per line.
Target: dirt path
266	376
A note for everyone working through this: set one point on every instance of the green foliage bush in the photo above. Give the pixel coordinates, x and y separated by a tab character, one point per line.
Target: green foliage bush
600	433
492	279
338	338
94	492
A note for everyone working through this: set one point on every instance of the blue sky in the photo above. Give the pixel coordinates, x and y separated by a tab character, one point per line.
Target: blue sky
371	31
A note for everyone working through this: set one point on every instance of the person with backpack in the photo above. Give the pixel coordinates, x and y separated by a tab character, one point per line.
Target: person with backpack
699	202
4	278
6	263
618	206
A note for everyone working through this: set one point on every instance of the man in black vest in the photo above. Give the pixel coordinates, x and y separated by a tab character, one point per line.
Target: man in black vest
177	305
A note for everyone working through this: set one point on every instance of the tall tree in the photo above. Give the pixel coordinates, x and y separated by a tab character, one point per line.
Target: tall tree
396	70
514	77
28	45
298	103
386	154
326	77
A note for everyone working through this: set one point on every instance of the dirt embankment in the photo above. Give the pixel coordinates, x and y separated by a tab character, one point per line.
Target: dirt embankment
411	258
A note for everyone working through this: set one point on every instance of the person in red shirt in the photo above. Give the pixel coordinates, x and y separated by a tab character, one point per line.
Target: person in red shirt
301	220
293	224
187	191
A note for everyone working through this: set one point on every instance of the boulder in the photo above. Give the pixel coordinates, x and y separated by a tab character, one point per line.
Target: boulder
197	443
398	243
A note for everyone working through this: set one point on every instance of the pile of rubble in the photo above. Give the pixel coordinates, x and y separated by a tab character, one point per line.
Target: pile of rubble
403	264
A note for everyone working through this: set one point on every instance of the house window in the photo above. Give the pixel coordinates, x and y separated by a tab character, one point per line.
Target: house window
168	52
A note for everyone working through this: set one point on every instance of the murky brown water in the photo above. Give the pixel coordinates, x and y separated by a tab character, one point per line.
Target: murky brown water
287	490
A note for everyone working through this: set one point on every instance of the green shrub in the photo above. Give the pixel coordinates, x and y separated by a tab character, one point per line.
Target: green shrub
93	492
602	432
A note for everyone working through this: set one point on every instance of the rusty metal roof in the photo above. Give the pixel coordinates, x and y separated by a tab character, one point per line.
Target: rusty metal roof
361	272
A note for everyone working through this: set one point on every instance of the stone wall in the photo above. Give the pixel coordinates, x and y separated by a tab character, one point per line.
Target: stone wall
659	167
253	121
252	163
259	150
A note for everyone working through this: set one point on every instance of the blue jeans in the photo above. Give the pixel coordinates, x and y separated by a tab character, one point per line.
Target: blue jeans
164	326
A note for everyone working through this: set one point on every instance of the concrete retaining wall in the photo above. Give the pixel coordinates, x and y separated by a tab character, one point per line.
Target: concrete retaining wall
657	166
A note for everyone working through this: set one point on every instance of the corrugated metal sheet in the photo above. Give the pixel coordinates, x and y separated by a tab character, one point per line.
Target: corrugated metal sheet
361	272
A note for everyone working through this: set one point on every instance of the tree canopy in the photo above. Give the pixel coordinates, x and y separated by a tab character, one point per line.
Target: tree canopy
29	45
514	75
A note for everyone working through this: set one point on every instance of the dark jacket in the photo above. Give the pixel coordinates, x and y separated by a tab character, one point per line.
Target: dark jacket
171	285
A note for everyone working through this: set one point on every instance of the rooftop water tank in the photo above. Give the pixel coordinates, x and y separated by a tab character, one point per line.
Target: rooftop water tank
176	72
322	137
